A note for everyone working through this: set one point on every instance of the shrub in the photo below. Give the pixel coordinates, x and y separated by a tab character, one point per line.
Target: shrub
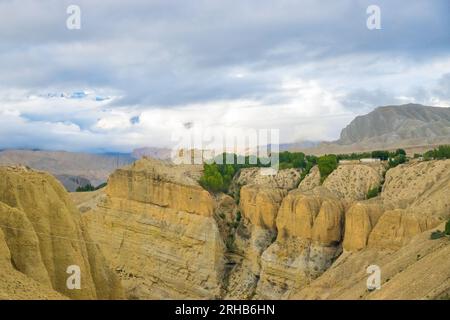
229	243
395	161
372	193
447	228
88	187
238	216
326	164
441	152
380	154
437	235
212	180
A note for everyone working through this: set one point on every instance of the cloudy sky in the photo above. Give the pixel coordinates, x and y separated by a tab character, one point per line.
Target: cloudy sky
137	71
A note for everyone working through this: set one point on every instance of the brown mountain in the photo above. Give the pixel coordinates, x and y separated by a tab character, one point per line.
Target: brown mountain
414	127
79	166
392	124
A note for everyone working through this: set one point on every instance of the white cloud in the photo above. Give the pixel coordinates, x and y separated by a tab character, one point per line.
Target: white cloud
304	67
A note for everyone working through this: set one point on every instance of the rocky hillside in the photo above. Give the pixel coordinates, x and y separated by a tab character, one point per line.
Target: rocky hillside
413	127
159	233
291	241
41	235
166	237
395	123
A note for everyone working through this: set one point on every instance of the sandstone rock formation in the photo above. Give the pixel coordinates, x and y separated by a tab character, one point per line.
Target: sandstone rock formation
351	182
287	179
259	206
310	232
157	229
44	236
311	180
310	229
414	199
15	285
360	219
163	236
259	197
418	270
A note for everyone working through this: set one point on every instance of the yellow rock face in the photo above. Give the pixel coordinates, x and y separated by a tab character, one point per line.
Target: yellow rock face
395	228
415	198
159	234
43	232
310	216
418	270
310	229
360	219
353	181
421	185
311	180
260	205
16	285
151	182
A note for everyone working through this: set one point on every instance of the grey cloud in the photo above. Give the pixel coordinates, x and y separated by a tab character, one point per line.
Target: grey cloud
363	100
172	52
169	54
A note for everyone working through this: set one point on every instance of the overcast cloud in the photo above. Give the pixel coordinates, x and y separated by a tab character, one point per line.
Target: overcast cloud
149	67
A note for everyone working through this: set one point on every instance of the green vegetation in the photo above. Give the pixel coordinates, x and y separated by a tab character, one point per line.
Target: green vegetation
354	156
217	177
86	188
396	160
437	235
380	154
90	187
372	193
326	164
229	243
441	152
447	228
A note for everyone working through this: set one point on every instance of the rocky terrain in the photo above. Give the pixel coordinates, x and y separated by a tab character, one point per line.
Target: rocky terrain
154	233
159	232
396	123
413	127
41	235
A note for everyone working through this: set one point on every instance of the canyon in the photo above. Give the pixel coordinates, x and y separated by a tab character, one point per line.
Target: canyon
154	233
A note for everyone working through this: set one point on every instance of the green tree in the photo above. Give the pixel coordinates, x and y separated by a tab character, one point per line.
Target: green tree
395	161
447	228
211	179
372	193
326	164
86	188
380	154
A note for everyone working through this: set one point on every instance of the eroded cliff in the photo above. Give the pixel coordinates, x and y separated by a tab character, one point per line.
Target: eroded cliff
43	234
158	231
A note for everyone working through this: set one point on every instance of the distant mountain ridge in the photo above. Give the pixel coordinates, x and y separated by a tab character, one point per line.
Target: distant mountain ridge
413	127
395	123
74	166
